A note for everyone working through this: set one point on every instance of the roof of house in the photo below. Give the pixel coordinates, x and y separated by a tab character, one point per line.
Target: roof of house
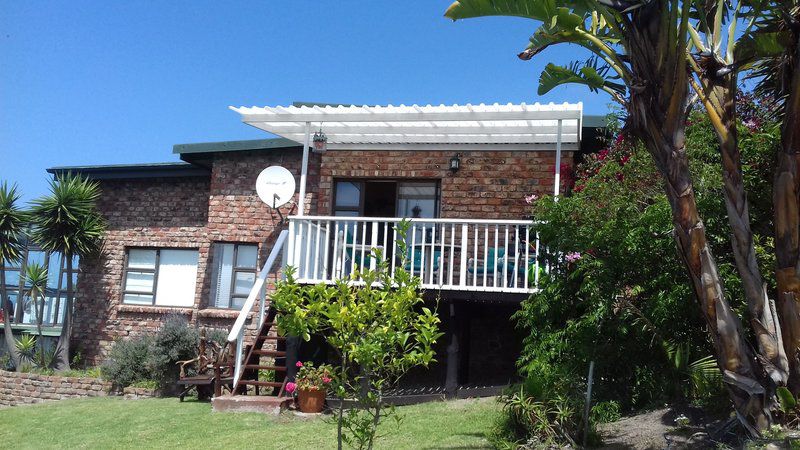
117	171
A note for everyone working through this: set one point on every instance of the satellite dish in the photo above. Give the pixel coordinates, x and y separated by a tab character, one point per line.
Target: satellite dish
275	186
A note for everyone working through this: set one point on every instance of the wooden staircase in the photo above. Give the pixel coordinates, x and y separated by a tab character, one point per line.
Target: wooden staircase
251	393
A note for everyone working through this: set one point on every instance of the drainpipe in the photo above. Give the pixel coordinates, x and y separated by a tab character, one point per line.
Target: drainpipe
301	202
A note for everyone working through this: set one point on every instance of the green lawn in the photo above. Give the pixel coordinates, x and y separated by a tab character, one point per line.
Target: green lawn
162	423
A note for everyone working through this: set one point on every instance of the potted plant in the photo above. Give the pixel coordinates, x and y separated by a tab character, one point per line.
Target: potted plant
311	385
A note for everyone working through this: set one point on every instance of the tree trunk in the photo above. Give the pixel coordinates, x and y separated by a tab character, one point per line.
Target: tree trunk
657	110
62	348
786	204
764	321
11	343
39	307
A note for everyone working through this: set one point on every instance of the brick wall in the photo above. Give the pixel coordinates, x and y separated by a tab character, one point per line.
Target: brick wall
25	388
195	212
489	185
191	212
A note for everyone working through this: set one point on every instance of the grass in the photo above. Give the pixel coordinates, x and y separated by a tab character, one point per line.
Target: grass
114	422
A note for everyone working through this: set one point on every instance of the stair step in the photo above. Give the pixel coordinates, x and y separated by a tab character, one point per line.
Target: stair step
261	383
260	367
274	353
271	338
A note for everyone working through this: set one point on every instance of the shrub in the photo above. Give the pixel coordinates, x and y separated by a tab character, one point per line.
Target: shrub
175	341
127	363
605	412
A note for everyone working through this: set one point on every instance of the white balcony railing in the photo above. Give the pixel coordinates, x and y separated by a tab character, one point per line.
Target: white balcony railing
448	254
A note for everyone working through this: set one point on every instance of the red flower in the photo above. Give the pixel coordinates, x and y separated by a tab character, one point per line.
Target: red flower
579	187
619	176
602	154
624	160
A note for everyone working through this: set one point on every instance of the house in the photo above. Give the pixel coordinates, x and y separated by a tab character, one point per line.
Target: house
192	238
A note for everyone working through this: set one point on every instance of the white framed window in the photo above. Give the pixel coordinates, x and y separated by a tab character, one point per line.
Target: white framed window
233	274
160	277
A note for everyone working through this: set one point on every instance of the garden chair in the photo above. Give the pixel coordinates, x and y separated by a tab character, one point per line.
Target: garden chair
414	255
488	266
207	372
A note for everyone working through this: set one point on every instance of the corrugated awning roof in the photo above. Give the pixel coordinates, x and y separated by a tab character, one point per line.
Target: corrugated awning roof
347	127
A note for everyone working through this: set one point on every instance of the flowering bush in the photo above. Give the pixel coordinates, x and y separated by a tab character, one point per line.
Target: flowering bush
311	378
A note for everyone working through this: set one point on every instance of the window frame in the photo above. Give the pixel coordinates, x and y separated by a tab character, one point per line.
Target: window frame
155	272
234	271
397	181
18	313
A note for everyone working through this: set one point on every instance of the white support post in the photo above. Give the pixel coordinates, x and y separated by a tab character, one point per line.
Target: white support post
301	202
557	180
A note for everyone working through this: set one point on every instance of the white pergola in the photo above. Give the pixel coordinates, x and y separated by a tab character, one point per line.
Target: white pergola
458	127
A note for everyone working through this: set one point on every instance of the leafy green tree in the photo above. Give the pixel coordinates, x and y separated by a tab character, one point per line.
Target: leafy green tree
36	283
67	221
12	222
379	330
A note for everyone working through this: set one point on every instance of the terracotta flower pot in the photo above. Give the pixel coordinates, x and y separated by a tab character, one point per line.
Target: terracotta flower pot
311	400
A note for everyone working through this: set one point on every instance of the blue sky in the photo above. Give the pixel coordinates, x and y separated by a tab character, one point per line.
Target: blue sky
121	82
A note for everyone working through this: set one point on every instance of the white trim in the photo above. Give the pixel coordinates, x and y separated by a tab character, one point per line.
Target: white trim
454	147
557	176
301	202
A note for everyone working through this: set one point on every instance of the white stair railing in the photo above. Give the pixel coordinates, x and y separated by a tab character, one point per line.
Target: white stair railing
259	290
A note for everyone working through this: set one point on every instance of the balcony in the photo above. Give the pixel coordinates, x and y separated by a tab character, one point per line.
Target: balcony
498	256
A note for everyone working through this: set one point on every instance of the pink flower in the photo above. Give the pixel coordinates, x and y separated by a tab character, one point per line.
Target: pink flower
326	380
573	256
298	364
531	198
290	387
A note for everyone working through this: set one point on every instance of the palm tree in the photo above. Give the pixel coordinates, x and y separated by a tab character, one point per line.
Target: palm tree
12	221
36	282
639	57
67	222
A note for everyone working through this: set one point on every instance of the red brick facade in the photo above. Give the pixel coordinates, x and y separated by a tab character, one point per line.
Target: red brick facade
195	212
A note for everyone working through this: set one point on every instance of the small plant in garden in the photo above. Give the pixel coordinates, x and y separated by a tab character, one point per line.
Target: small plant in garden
145	358
26	349
379	330
127	362
605	412
313	378
682	421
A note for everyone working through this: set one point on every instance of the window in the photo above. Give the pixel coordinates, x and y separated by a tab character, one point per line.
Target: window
386	198
417	199
161	277
234	274
55	293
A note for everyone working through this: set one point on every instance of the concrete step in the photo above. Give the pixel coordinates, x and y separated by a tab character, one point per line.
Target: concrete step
266	404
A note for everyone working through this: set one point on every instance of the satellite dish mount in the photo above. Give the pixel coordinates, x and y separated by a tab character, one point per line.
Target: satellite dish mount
275	186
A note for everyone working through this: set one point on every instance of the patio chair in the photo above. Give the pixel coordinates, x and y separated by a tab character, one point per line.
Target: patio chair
414	255
488	266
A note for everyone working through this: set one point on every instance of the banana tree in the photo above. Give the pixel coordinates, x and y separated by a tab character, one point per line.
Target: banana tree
12	221
639	52
715	57
774	50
